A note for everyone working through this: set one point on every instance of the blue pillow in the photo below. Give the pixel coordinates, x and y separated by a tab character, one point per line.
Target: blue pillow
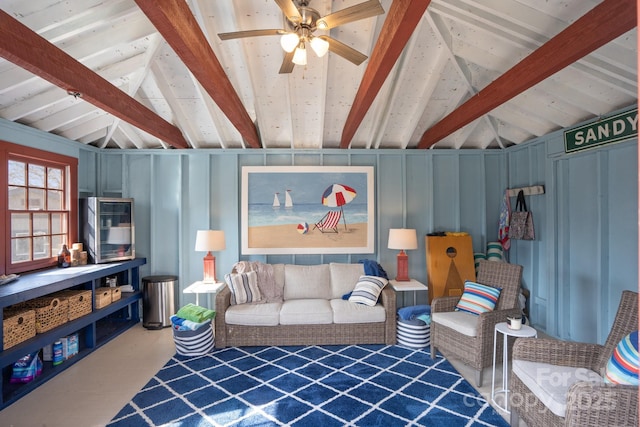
478	298
622	367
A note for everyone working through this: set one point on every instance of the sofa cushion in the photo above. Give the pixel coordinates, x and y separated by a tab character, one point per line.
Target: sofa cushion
243	287
344	278
368	290
253	314
307	282
461	321
347	312
551	383
622	367
478	298
306	312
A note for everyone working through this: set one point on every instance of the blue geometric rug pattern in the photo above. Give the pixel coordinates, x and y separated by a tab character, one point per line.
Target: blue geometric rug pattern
359	385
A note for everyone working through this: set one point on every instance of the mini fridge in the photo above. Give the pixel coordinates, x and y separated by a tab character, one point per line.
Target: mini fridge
107	229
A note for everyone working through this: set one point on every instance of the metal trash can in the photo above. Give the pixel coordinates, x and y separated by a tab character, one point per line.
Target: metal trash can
158	301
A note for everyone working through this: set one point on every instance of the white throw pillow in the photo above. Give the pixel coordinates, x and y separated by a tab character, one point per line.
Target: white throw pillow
368	290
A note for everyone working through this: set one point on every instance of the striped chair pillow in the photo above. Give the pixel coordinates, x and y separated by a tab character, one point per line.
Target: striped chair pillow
478	298
368	290
243	287
622	367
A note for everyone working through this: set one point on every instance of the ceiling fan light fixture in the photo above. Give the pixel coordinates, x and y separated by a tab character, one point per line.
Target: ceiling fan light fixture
300	55
319	46
321	24
289	41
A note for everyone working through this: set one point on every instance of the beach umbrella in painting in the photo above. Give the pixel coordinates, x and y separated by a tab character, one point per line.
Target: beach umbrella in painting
338	195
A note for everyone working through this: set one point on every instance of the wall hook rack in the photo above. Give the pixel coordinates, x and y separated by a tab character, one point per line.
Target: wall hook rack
528	191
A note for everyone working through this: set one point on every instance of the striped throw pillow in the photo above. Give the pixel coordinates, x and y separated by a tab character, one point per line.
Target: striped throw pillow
622	368
368	290
478	298
243	287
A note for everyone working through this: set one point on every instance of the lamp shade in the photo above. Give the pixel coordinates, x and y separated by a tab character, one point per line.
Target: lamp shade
289	41
319	46
402	238
300	55
210	240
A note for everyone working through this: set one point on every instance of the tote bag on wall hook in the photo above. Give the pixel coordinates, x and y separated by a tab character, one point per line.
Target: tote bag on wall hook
521	223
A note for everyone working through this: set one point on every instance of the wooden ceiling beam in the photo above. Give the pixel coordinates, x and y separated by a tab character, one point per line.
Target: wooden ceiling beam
605	22
25	48
178	26
402	19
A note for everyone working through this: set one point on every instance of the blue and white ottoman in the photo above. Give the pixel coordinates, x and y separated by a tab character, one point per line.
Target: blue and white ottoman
413	333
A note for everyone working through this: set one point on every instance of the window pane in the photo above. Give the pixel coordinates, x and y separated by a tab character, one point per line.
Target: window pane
36	176
17	173
54	178
40	224
36	199
20	250
17	198
20	225
41	247
56	243
58	223
54	200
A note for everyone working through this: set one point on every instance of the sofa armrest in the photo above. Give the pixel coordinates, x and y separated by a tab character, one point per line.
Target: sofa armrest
556	352
223	301
388	300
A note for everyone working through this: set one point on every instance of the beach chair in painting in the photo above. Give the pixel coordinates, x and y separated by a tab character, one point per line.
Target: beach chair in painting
329	222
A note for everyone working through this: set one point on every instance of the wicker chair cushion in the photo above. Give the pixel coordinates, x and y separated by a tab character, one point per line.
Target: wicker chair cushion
368	290
344	277
460	321
551	383
346	312
622	367
306	312
243	287
478	298
254	314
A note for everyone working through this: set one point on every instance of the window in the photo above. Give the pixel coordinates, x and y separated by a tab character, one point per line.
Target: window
41	206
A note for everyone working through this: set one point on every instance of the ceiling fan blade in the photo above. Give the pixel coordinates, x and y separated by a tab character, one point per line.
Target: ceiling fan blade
363	10
287	63
249	33
290	10
345	51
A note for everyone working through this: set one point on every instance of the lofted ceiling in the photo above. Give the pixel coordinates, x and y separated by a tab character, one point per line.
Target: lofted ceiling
452	74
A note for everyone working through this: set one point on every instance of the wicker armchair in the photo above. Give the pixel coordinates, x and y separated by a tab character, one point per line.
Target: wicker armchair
474	344
588	403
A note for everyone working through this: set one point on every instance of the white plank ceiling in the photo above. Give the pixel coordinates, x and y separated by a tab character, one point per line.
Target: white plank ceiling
441	74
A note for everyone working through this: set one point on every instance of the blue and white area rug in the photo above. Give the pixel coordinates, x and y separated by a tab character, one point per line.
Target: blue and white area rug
364	385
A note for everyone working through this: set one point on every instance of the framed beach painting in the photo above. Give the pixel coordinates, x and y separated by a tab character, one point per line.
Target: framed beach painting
307	209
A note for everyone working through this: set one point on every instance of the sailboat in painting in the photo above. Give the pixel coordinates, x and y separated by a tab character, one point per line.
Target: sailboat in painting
288	201
276	201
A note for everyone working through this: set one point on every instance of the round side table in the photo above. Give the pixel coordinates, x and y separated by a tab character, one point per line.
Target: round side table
503	328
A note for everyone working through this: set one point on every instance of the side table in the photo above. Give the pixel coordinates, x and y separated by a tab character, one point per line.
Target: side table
411	285
201	287
503	328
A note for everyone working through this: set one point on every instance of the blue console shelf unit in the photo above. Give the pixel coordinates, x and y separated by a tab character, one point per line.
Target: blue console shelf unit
94	329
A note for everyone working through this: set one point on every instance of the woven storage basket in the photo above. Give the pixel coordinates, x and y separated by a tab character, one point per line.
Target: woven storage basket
79	302
50	312
18	325
102	297
116	294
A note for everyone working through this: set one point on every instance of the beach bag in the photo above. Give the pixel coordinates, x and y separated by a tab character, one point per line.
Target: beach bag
194	343
521	221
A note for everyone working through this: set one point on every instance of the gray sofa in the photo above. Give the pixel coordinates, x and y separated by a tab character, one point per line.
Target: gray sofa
307	309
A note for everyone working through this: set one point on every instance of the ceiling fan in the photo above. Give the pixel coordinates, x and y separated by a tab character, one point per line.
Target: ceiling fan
301	21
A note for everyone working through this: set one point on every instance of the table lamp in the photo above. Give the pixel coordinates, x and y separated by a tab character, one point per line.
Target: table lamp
119	236
210	240
402	238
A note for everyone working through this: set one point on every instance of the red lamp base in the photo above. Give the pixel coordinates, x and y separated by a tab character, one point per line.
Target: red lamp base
403	267
209	268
